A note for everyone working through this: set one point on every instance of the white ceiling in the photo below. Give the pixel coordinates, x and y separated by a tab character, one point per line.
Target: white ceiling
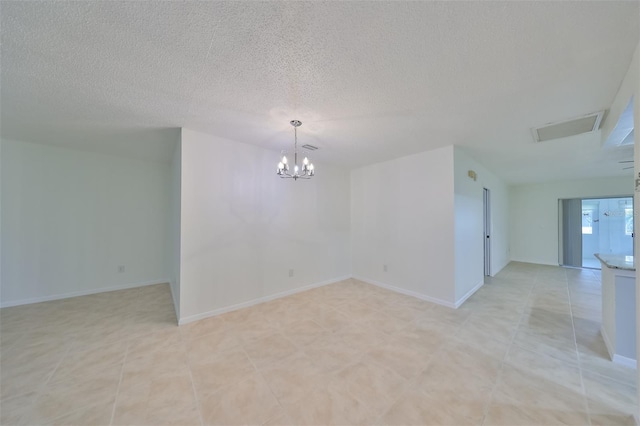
370	81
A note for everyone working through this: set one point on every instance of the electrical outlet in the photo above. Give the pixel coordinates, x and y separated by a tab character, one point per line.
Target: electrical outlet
384	268
120	269
290	273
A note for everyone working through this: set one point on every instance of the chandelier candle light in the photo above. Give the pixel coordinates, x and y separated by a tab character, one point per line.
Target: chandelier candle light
283	166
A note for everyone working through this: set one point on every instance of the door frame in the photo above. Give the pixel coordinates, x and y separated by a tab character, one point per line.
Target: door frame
486	209
561	242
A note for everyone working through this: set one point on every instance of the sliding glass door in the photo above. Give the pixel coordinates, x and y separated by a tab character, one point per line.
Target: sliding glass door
594	225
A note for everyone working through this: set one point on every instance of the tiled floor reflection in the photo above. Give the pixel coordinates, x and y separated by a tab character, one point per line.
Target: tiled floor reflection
525	349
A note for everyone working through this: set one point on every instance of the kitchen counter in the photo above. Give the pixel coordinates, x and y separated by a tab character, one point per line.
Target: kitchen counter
619	307
617	261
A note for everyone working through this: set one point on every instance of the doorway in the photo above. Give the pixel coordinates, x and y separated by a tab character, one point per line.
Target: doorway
595	225
487	231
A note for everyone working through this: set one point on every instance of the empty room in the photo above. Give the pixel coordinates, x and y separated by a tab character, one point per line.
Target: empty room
319	213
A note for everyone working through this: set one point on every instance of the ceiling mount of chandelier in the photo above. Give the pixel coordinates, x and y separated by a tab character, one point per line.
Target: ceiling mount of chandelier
306	171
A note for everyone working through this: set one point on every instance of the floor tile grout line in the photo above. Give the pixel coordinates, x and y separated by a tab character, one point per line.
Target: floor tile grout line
115	398
14	345
44	384
575	341
406	382
196	396
258	371
66	353
359	359
591	372
393	401
509	346
134	310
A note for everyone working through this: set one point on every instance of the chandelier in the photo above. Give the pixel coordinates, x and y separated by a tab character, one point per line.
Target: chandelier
283	166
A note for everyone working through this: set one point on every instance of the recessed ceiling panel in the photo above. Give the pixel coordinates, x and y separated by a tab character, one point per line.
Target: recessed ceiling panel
577	126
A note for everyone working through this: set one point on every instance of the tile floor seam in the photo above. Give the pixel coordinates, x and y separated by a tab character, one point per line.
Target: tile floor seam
506	354
290	341
257	370
603	376
115	399
321	326
407	382
359	359
196	397
575	341
15	344
394	401
66	353
48	380
44	384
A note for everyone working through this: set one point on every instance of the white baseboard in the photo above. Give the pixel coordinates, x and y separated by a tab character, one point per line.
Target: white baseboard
252	302
78	293
494	273
406	292
623	360
618	359
607	342
176	304
535	262
469	294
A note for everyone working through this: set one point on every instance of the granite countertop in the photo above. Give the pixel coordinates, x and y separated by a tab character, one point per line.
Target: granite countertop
617	261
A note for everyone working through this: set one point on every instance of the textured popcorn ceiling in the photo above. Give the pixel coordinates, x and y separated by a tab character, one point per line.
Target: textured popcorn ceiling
369	80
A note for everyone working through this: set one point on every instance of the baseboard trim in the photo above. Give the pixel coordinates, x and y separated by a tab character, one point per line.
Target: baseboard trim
78	293
623	360
176	305
406	292
536	262
607	342
494	273
469	294
259	300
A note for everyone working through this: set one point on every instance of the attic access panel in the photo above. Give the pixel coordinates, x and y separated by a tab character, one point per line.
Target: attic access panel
576	126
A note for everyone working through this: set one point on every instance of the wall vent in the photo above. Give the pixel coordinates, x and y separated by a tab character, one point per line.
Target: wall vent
576	126
310	147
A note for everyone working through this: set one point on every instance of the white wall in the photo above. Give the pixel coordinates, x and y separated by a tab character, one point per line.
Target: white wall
70	218
243	228
469	224
401	216
173	228
534	213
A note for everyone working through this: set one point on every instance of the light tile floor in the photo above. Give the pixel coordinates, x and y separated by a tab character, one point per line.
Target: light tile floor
525	349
